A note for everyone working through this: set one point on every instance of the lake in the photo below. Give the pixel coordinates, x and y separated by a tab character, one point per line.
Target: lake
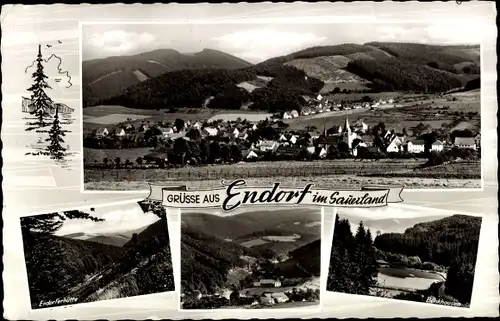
406	278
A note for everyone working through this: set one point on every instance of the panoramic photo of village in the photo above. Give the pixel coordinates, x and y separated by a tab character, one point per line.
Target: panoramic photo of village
405	254
251	259
110	252
341	105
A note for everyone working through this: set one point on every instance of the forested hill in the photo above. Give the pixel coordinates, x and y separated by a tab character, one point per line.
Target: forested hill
206	260
309	257
60	263
375	66
108	77
144	268
441	241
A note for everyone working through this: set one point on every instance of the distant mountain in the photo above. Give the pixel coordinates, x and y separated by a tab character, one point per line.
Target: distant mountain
244	224
108	77
116	239
148	82
391	225
387	66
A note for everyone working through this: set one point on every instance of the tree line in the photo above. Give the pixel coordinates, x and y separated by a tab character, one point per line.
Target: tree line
353	265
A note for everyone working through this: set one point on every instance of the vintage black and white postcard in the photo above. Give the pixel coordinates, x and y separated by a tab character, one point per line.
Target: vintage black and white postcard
284	160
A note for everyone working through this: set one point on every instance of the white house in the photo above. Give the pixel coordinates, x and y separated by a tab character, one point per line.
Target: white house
197	125
270	283
394	146
269	145
294	114
322	153
102	132
167	131
280	297
251	155
120	132
211	131
236	132
319	97
254	127
437	146
282	138
293	139
287	115
416	146
390	101
465	142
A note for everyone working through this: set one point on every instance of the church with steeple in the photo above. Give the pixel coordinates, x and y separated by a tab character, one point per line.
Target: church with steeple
348	136
344	134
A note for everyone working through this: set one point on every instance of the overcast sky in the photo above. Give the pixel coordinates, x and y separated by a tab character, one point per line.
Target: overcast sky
117	218
257	42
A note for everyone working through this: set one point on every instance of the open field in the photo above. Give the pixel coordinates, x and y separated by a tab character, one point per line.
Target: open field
254	242
114	118
326	174
332	181
402	115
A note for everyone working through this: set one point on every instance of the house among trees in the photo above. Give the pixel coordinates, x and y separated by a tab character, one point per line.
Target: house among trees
395	145
437	146
465	142
287	115
267	283
269	146
120	132
249	154
416	146
101	132
210	131
294	114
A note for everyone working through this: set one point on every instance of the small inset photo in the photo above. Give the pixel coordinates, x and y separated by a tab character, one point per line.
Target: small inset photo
95	254
406	254
251	259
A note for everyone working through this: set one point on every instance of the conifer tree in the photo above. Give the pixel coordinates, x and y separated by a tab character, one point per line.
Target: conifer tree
39	98
56	150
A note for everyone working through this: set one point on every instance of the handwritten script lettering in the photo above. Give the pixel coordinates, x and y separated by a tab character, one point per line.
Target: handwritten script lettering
236	194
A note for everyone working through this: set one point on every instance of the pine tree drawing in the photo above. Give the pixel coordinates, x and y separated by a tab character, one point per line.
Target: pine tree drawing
55	149
39	98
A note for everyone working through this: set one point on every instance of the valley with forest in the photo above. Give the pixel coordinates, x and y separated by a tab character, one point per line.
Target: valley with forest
254	260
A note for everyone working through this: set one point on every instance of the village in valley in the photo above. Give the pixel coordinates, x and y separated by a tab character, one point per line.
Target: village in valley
271	139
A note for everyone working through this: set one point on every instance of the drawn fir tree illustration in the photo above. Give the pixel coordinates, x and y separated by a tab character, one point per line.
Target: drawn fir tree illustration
40	101
56	134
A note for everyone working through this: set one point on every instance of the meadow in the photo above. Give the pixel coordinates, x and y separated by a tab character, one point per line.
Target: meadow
326	174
